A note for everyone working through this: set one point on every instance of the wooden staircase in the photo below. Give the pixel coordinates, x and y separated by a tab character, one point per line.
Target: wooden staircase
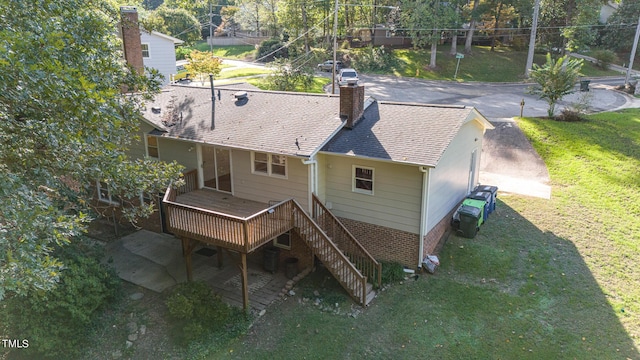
353	267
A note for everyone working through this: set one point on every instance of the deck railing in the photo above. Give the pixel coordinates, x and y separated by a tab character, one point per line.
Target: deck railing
339	234
335	261
242	234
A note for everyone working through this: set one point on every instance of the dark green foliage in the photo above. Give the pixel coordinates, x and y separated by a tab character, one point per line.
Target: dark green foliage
287	77
182	52
604	58
270	50
569	115
391	272
372	59
56	322
198	315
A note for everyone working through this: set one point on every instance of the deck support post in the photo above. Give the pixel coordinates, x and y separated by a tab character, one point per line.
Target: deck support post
245	285
187	248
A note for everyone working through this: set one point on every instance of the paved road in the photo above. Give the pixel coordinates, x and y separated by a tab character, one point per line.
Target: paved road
492	100
508	159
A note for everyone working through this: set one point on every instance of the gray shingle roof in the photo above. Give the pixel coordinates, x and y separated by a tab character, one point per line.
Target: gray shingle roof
273	122
267	121
402	132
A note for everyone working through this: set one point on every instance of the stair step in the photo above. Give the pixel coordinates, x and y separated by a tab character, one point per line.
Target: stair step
370	296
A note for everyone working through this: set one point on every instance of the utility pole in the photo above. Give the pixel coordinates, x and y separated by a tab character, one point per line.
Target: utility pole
335	46
633	53
211	27
532	40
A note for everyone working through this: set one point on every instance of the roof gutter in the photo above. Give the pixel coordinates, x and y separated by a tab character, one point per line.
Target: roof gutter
313	179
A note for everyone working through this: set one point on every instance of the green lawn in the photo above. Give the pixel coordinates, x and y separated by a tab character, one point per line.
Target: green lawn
501	65
544	279
235	52
317	87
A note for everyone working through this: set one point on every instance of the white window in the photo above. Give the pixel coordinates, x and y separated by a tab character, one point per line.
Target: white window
283	241
145	50
279	165
152	147
363	180
269	164
105	195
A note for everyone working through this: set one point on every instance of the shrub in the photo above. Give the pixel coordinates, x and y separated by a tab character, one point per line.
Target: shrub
392	272
374	59
197	313
182	52
270	50
56	322
519	43
569	116
604	58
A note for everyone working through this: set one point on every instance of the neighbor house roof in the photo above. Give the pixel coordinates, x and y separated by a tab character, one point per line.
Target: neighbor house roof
404	132
294	124
176	41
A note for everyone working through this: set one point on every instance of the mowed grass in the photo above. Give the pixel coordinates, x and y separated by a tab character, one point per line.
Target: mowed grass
235	52
502	65
544	279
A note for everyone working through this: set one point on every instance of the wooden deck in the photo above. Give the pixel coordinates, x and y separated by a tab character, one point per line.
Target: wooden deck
221	219
221	202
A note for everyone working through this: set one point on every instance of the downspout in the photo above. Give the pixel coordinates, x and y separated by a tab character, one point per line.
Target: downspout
313	182
424	209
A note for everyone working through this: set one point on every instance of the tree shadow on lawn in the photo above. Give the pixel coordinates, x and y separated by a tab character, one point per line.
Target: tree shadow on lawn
515	291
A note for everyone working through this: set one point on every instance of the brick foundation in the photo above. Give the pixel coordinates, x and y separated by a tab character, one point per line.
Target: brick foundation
436	238
384	243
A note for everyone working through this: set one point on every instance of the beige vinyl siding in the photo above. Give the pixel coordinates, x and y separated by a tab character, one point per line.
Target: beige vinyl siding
177	150
265	188
137	148
396	199
321	170
450	178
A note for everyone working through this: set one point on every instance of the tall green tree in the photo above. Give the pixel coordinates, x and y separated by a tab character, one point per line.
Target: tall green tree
568	24
555	79
64	124
178	23
425	20
621	26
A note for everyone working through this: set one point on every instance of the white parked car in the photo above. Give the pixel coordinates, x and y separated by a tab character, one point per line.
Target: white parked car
347	76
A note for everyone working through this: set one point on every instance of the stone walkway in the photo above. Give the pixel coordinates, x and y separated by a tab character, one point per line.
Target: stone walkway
154	261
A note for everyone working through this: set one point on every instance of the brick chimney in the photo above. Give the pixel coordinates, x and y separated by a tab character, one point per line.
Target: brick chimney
351	103
131	37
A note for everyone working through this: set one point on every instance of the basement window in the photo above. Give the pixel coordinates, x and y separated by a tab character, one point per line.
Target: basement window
363	180
283	241
105	195
269	164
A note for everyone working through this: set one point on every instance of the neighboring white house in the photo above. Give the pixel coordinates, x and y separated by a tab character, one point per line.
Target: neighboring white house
159	52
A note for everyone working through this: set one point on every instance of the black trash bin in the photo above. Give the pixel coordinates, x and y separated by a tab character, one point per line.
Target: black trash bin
291	267
584	85
271	257
469	218
484	196
494	192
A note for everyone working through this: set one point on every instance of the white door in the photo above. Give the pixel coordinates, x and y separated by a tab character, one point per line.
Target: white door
216	168
472	172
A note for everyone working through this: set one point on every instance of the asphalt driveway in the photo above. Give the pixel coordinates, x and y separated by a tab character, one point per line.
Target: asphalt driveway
508	159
